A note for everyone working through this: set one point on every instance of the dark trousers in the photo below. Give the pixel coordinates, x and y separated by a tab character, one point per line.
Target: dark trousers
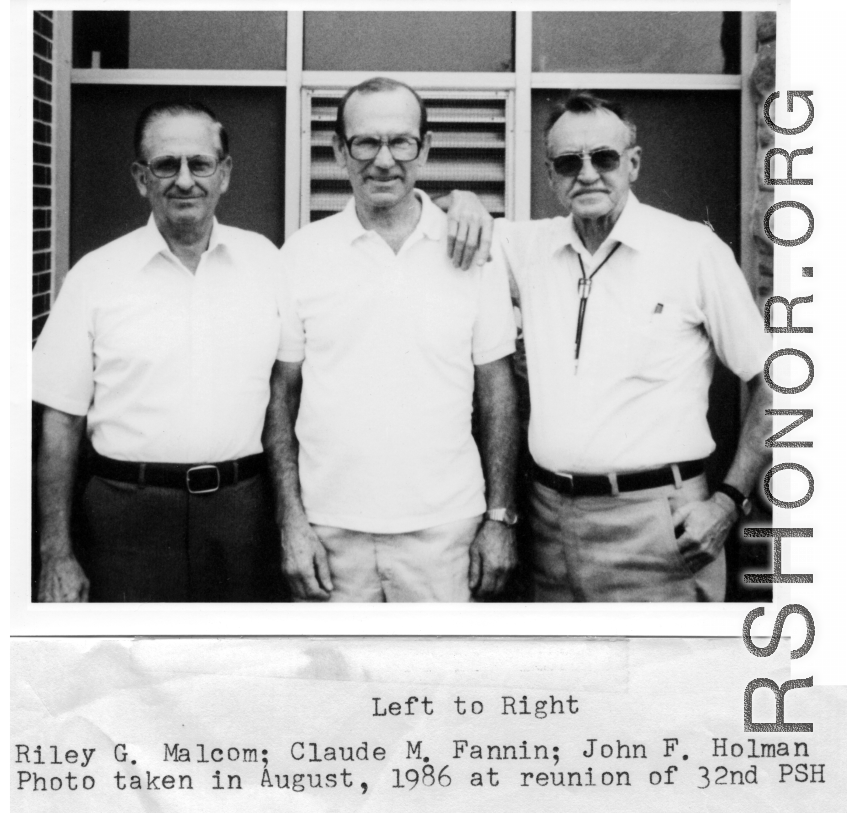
147	543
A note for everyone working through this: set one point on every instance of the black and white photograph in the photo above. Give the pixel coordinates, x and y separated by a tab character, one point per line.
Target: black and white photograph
520	318
337	420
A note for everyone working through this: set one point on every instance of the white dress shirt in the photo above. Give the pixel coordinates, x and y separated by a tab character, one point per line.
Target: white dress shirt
169	366
668	300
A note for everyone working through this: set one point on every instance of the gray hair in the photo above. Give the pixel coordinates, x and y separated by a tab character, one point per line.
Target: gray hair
584	101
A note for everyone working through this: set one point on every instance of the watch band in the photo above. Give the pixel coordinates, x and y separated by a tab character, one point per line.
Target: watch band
742	503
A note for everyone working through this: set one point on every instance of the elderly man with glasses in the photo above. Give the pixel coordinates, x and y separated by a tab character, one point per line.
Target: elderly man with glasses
162	342
624	310
382	495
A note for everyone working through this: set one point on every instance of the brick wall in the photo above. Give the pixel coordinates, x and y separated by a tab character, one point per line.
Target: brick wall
762	81
42	170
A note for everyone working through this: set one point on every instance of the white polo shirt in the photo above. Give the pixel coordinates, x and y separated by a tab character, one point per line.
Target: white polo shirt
388	344
668	300
169	366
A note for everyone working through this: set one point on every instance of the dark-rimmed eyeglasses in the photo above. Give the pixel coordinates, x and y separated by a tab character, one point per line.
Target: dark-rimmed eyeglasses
366	148
569	165
168	166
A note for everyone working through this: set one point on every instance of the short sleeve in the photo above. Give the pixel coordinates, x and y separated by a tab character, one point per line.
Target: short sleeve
503	248
292	338
494	328
731	317
63	358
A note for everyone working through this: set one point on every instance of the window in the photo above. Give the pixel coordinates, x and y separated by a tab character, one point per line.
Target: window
408	41
634	42
484	75
182	40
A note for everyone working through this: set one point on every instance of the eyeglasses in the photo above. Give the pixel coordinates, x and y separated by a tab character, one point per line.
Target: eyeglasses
569	165
402	148
167	166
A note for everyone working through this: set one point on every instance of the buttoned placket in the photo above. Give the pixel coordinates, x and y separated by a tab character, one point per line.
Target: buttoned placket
198	335
393	266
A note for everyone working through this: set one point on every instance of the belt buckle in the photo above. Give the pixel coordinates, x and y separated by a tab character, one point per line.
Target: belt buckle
203	468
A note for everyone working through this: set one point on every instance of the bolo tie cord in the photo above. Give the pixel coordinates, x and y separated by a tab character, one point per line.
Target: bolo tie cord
584	287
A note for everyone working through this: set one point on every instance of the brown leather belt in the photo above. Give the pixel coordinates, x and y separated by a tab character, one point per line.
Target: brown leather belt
203	478
596	485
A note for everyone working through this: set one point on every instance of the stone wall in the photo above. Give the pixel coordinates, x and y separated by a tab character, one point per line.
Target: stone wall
42	168
762	84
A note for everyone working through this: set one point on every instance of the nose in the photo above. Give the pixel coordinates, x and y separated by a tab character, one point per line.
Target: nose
384	158
587	174
184	178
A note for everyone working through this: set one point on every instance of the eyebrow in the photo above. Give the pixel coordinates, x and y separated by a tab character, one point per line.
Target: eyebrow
392	135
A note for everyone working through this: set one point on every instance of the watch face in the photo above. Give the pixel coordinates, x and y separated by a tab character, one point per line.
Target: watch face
511	518
504	515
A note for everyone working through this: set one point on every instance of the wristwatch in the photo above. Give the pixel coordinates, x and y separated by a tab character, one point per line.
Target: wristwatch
504	515
742	503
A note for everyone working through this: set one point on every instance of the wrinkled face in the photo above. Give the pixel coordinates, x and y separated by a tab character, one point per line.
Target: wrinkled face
183	200
592	194
383	182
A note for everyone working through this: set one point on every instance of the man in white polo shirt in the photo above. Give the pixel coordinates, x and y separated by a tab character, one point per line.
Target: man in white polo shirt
384	346
163	340
624	309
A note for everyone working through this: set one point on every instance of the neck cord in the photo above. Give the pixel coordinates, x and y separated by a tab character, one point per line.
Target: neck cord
584	291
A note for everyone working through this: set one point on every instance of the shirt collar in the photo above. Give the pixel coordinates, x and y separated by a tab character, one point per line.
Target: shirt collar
431	222
153	243
628	229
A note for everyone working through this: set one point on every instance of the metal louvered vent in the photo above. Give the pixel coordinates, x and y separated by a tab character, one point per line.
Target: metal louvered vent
471	149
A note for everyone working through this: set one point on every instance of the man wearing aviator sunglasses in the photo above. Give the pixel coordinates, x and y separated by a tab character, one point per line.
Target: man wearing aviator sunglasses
162	342
624	310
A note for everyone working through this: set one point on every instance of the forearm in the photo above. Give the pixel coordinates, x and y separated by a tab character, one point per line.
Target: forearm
280	442
752	455
56	470
497	399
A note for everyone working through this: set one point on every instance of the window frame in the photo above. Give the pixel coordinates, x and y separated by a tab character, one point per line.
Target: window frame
518	83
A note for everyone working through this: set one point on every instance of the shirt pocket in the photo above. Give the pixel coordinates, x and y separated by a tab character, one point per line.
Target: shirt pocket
666	337
648	343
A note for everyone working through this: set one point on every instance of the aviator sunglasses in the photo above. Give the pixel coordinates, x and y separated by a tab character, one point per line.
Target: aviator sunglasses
569	165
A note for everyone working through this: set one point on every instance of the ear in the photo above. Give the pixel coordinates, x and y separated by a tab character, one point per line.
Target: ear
139	175
427	143
551	173
340	150
634	163
226	171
